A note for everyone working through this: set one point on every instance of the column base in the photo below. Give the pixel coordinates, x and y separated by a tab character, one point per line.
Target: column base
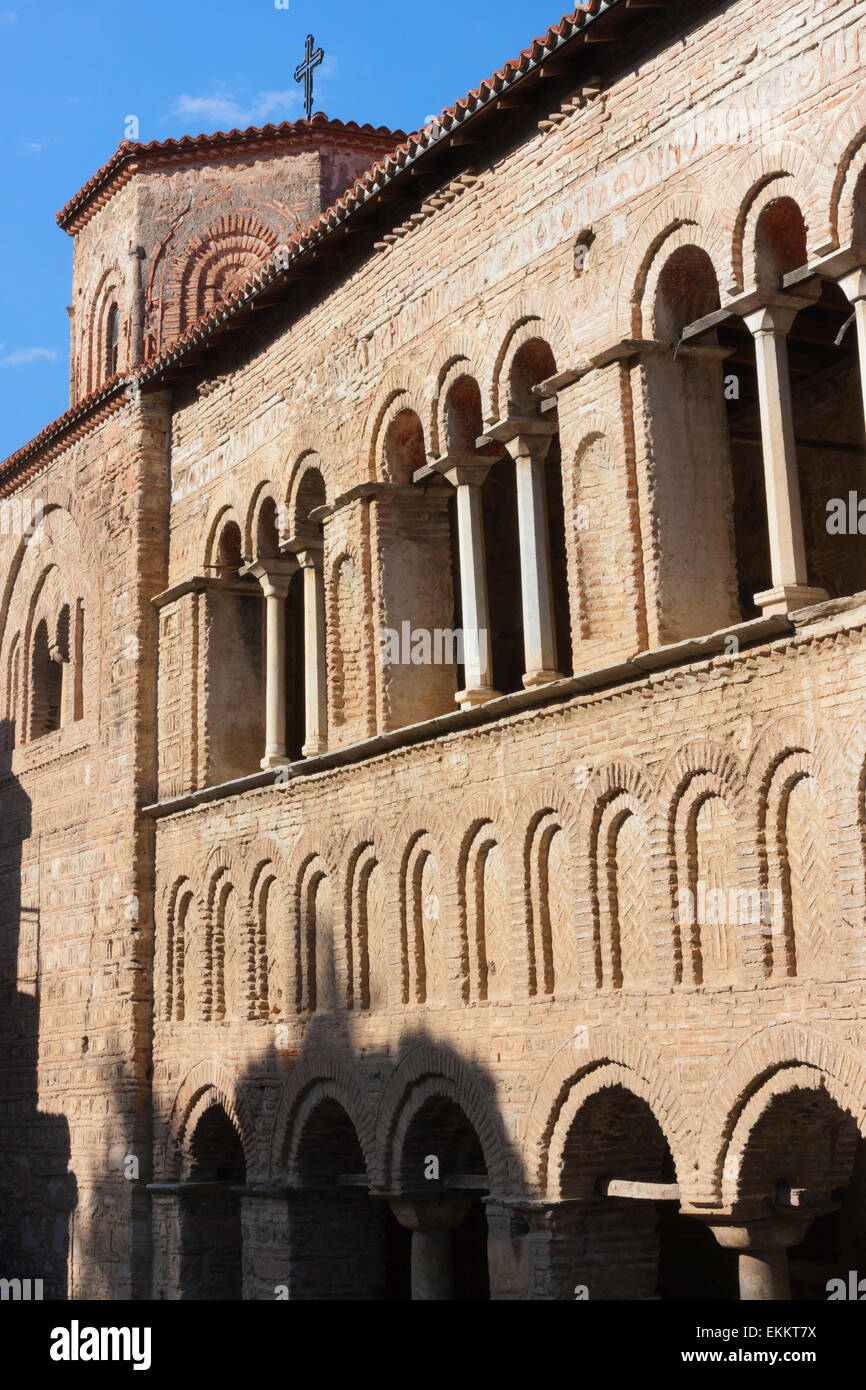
787	598
274	760
476	695
532	679
315	748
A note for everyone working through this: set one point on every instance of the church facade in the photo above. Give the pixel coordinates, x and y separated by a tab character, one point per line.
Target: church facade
432	684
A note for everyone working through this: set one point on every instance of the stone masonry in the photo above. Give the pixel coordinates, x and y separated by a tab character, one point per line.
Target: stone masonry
432	692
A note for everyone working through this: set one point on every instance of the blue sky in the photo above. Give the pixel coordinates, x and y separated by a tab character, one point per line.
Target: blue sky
71	73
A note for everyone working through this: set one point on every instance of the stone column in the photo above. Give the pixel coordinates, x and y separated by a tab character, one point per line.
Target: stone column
431	1221
762	1246
467	474
853	286
309	553
167	1226
274	577
528	443
770	326
265	1222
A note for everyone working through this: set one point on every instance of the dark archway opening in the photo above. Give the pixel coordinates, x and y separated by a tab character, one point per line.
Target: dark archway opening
630	1248
441	1131
806	1152
338	1235
212	1240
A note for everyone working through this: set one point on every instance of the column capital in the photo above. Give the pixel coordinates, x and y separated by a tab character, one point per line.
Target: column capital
853	284
775	314
763	1233
307	547
522	436
464	469
274	575
440	1212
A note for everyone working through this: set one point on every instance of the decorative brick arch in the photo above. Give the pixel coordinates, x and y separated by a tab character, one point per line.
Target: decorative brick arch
396	392
689	209
427	1072
170	892
455	357
484	823
264	490
836	1066
620	785
84	569
225	507
683	236
841	162
311	459
92	370
264	850
699	771
428	838
207	1084
778	169
598	1058
533	314
546	809
320	1076
200	263
57	568
365	847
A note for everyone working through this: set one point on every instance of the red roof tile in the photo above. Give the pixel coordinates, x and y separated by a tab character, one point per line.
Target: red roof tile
131	155
370	183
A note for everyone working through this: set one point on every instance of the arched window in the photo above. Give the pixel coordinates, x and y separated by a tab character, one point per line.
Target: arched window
112	340
47	677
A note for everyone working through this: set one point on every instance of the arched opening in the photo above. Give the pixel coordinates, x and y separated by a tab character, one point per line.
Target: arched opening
13	692
534	363
46	701
232	641
338	1249
636	1246
306	731
212	1241
858	235
827	405
463	427
444	1176
805	1154
694	482
112	340
412	535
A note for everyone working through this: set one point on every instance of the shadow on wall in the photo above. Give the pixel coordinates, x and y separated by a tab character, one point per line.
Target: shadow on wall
376	1185
37	1190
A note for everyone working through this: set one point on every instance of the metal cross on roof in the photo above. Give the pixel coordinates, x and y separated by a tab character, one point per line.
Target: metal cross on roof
304	72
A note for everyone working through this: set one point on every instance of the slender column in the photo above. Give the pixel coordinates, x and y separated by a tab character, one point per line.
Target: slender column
431	1221
529	448
467	474
315	668
853	286
274	577
762	1247
770	326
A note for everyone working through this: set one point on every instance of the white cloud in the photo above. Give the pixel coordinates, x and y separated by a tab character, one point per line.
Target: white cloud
25	357
33	146
223	109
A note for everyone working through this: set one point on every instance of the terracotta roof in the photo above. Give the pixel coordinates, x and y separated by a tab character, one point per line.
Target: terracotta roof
370	184
381	174
131	155
84	413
